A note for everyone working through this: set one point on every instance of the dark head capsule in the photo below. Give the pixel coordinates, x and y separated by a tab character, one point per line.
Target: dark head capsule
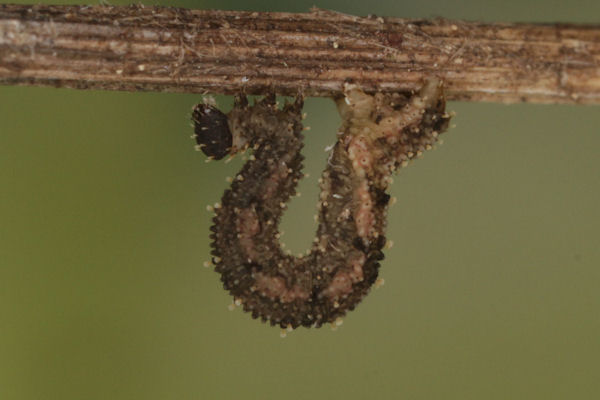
212	131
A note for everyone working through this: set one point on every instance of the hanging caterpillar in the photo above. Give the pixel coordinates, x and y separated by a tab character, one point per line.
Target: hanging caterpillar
378	134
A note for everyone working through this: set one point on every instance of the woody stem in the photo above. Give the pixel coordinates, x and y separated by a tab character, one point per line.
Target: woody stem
139	48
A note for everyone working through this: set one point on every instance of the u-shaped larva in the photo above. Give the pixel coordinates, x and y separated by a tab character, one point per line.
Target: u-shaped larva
379	134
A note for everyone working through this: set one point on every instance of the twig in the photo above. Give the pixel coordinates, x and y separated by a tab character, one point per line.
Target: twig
140	48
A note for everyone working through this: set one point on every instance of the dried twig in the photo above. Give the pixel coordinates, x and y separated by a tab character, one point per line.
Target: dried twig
141	48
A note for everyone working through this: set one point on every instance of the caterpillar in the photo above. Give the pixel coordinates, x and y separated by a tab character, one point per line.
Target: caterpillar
378	135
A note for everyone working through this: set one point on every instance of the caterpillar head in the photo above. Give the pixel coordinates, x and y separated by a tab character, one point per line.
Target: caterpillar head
212	131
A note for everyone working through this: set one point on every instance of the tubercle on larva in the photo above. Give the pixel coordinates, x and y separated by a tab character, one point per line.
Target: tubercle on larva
380	134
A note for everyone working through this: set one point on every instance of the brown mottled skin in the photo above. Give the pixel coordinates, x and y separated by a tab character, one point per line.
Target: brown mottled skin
380	133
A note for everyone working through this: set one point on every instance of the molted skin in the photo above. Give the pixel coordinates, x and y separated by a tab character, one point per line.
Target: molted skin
379	134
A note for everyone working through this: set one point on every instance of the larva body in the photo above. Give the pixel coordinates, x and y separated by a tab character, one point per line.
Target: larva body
378	134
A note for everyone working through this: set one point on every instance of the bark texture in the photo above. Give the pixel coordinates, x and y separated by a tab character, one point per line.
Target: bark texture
139	48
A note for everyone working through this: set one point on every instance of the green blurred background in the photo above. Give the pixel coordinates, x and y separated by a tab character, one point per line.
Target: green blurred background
491	288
